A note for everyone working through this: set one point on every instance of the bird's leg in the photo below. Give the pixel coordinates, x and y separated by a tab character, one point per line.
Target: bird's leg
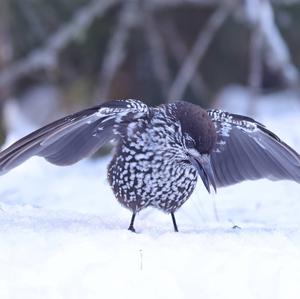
131	228
174	222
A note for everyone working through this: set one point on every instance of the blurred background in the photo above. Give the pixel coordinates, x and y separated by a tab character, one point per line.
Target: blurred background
60	56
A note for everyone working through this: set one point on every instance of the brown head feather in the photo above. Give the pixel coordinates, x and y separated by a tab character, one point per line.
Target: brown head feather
196	122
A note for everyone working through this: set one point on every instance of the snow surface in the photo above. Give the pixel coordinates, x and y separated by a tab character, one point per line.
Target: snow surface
63	235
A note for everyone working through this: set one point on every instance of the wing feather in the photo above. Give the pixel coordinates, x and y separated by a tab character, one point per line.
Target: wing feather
247	150
70	139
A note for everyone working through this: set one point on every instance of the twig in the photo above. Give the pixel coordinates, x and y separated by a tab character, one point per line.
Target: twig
207	3
285	2
255	76
5	40
116	50
255	73
179	51
215	209
200	47
32	19
169	3
260	14
46	57
141	259
157	51
278	56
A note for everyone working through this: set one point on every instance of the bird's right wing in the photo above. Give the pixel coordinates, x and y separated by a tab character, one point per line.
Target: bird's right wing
74	137
247	150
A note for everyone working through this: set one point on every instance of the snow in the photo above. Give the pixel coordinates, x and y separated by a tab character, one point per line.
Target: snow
63	235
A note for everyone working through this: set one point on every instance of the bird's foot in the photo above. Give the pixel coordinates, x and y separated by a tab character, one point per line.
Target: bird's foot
131	228
236	227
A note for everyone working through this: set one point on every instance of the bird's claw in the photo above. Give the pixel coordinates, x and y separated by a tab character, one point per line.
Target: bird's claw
236	227
132	229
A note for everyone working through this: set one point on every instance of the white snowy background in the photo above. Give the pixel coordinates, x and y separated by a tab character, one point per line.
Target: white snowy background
63	235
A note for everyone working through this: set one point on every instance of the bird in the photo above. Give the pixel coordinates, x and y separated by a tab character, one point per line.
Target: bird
160	152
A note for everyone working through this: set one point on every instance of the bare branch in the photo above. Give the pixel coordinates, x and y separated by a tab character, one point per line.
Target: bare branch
163	3
5	41
157	50
32	19
255	75
179	51
285	2
212	3
200	47
116	50
6	49
277	55
46	57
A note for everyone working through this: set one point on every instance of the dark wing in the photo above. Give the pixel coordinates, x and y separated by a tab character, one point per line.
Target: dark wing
70	139
246	150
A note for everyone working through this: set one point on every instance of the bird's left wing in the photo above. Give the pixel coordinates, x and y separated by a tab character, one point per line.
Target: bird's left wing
246	150
70	139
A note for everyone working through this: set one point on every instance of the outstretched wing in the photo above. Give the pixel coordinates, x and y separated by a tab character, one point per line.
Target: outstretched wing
246	150
70	139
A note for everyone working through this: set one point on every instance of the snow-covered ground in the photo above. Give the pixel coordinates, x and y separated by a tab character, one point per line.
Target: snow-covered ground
63	235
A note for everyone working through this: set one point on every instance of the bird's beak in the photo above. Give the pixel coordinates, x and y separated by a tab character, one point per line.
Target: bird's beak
203	166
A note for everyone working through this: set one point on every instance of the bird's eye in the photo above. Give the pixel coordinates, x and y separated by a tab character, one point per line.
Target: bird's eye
189	143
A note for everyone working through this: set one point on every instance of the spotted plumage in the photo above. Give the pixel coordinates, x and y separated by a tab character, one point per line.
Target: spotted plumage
161	150
150	167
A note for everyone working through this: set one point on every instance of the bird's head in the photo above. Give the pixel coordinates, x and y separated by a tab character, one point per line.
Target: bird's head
199	138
